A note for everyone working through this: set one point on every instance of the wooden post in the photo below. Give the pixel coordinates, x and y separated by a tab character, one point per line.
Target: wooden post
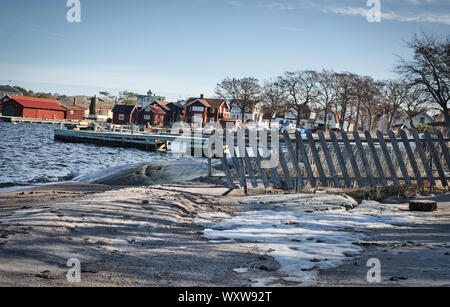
209	167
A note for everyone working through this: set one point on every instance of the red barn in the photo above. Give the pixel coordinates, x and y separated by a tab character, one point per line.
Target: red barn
31	107
74	113
125	114
205	110
151	115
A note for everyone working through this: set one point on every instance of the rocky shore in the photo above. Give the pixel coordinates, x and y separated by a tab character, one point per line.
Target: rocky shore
188	234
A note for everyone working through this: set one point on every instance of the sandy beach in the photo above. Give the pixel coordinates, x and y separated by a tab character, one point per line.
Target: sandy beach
174	235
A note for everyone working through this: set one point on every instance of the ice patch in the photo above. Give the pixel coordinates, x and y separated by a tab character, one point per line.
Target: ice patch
241	270
302	243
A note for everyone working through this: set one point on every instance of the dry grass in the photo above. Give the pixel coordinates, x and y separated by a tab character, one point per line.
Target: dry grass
380	194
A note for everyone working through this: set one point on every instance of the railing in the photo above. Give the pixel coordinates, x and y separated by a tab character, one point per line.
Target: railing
342	162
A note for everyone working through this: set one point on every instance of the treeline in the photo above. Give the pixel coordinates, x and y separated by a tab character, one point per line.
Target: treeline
30	93
124	97
423	86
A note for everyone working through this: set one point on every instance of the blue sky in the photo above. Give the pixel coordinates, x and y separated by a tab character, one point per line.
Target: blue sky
181	48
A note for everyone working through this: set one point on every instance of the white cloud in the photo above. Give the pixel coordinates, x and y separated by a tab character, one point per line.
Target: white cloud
390	15
431	11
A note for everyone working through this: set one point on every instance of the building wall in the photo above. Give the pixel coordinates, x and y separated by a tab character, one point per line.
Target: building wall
236	114
197	116
126	120
11	108
19	111
151	118
74	115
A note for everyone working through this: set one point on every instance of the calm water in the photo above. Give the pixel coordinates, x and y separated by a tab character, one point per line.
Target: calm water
29	156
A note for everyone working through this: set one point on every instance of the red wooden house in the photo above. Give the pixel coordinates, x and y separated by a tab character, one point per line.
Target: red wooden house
74	112
206	110
125	115
31	107
151	116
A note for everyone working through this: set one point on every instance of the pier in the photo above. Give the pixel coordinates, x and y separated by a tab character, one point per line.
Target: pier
11	119
147	141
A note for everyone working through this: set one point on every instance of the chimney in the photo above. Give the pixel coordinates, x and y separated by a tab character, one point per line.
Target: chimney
75	101
202	96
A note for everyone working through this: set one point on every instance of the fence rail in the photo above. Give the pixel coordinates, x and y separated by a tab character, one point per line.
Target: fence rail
343	162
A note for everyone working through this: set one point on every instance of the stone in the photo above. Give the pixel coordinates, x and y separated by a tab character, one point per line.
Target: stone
423	206
268	267
46	275
398	278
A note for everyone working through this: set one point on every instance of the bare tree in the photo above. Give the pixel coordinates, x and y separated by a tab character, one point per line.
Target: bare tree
244	92
301	89
325	94
416	101
343	91
371	104
394	97
273	97
430	68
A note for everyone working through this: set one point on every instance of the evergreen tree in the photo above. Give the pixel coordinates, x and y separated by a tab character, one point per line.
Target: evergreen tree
93	106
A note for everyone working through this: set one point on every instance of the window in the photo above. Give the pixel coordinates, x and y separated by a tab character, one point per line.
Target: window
422	120
72	112
121	116
146	117
198	109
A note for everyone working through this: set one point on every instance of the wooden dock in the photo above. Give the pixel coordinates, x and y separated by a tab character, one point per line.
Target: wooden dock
146	141
11	119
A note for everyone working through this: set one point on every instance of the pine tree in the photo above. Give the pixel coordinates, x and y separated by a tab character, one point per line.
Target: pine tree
93	106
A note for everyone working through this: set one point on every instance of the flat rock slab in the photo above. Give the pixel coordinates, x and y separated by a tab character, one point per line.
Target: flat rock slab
423	206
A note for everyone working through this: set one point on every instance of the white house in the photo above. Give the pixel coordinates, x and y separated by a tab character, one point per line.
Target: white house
145	100
307	120
404	122
332	121
236	114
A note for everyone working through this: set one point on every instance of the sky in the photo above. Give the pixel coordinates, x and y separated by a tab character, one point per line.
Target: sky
182	48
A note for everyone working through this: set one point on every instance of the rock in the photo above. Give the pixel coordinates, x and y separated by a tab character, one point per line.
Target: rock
268	267
315	260
145	202
423	206
46	275
263	257
398	278
310	269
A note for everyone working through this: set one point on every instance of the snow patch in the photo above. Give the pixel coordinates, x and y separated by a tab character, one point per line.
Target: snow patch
303	243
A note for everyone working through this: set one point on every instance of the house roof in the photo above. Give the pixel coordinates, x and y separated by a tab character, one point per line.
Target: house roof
38	103
155	109
163	104
9	89
123	108
208	102
73	108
